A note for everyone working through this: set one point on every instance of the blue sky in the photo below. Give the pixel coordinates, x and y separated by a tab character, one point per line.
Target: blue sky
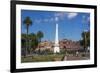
71	24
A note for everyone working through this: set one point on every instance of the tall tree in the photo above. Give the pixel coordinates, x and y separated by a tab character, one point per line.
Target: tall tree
40	35
85	42
23	44
34	41
23	38
27	22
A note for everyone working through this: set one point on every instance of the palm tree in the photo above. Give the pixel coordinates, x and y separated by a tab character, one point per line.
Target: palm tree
23	44
88	38
27	22
85	40
23	38
34	41
40	35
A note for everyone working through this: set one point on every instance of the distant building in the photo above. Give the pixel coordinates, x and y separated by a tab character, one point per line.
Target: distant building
45	45
70	45
63	44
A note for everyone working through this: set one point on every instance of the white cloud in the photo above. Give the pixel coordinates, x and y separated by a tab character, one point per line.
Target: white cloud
60	15
88	19
49	19
46	20
37	21
52	19
71	15
85	19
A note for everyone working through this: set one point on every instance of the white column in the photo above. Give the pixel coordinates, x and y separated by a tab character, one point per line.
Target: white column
56	46
56	35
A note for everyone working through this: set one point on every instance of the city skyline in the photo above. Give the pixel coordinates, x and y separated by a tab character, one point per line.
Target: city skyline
70	24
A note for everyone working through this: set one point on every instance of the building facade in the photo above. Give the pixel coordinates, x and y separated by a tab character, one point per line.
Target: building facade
64	44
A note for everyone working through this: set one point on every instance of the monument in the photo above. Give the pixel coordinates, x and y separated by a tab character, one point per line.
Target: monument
56	45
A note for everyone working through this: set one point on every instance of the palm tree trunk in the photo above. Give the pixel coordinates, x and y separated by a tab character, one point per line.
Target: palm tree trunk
27	42
85	43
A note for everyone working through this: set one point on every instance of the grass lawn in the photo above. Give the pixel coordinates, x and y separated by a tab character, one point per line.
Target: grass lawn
54	57
42	58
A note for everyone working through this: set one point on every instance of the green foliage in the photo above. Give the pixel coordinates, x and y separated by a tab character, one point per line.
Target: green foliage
42	58
85	42
32	42
39	35
27	21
